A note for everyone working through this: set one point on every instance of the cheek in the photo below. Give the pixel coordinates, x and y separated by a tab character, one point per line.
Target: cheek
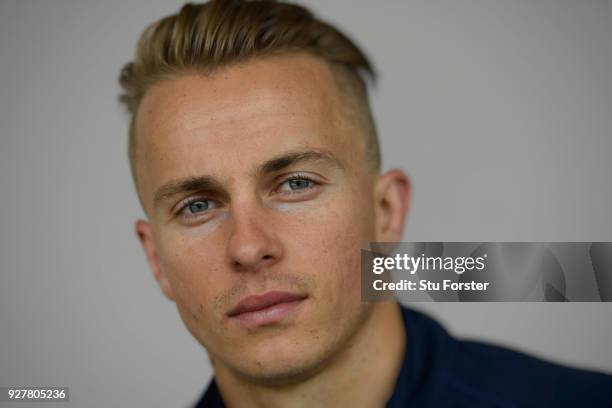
326	243
192	262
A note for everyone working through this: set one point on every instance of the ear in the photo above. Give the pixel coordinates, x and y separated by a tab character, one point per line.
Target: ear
144	232
393	194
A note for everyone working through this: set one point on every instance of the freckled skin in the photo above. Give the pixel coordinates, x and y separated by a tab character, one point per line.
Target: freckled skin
224	125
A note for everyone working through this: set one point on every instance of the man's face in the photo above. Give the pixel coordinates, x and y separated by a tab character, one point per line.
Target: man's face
254	182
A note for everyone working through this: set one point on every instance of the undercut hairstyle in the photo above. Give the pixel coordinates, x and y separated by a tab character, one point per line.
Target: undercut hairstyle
206	37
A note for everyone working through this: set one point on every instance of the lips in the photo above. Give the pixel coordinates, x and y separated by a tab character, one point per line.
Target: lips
268	308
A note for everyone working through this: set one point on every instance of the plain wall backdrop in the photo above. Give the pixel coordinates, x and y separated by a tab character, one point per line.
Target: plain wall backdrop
500	111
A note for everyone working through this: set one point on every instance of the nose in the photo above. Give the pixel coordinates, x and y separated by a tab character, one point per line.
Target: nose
253	243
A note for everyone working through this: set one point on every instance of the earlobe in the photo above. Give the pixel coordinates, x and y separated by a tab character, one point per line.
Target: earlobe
144	233
393	194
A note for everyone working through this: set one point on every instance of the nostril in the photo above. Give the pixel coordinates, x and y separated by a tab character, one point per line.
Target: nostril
267	257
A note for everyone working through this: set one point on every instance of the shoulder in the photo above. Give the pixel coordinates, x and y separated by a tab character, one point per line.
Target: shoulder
481	374
523	380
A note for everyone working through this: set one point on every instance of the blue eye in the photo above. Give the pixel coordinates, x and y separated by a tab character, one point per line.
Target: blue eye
297	184
197	206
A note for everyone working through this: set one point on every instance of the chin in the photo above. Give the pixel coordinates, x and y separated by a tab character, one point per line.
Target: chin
277	372
288	360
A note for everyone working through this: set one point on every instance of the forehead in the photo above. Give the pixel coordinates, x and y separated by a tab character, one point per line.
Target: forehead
225	122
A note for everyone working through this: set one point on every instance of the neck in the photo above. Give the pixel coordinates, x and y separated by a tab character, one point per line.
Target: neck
362	375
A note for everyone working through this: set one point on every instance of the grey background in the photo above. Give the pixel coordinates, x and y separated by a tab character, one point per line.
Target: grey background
500	111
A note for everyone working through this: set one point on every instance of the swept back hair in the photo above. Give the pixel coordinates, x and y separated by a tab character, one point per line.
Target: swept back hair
208	36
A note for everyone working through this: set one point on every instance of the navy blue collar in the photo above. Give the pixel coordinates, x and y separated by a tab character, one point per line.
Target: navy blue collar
441	371
406	384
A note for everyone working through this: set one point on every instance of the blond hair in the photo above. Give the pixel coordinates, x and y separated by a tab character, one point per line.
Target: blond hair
218	33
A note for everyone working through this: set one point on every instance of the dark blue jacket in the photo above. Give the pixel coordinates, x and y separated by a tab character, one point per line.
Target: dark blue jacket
441	371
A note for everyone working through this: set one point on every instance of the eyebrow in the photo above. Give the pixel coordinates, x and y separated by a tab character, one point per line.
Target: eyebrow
171	189
289	159
199	183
